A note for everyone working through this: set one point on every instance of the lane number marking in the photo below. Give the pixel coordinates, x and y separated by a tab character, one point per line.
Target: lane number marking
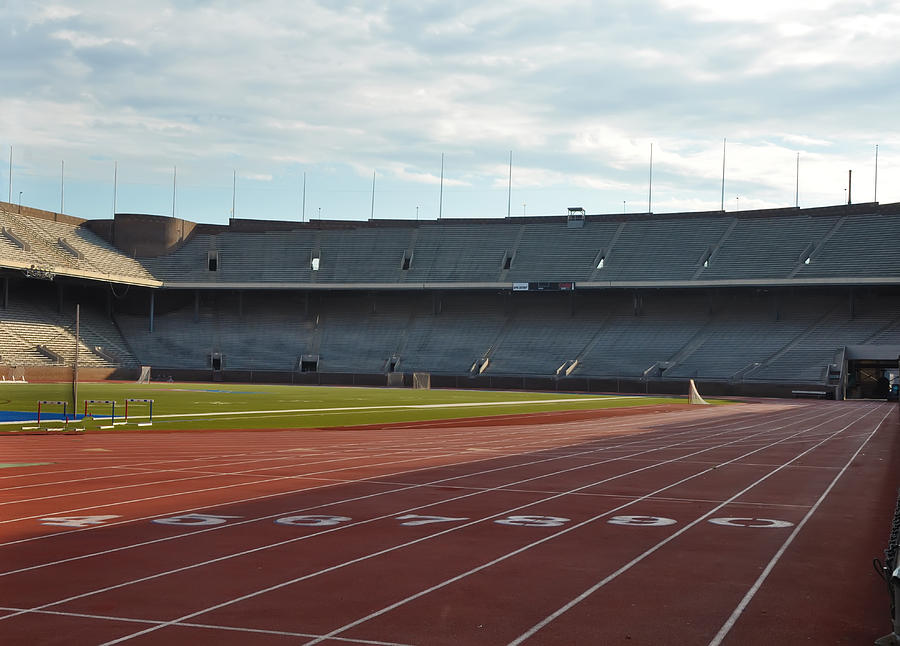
313	520
533	521
76	521
751	522
642	521
195	520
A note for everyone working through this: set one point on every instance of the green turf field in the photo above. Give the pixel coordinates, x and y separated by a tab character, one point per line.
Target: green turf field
238	406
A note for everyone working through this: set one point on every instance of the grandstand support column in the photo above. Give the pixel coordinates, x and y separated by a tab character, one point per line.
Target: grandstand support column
60	297
196	305
240	296
152	307
109	305
5	296
852	304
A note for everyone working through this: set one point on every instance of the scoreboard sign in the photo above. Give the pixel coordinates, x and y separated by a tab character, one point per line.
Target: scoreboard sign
543	287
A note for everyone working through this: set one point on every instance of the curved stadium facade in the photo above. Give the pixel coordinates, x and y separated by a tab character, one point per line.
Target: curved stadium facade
757	302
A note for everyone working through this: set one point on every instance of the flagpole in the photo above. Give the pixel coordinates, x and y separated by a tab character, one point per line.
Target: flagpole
441	198
722	205
509	187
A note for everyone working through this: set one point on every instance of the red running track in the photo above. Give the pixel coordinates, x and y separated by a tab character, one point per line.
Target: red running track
669	525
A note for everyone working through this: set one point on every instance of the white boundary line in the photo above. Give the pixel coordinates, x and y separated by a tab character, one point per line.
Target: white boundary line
394	513
692	429
456	452
739	610
453	529
259	631
516	402
562	532
584	595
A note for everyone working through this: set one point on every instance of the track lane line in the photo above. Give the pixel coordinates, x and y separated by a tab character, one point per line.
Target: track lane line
748	597
390	515
584	595
238	501
518	551
401	488
457	528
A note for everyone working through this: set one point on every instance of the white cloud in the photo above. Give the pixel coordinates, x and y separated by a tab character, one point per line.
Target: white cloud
577	90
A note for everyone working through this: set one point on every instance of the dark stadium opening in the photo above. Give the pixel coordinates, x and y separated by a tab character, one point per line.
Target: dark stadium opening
212	261
309	363
873	379
407	261
216	361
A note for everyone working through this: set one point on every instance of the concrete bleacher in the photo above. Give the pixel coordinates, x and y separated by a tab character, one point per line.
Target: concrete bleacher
26	327
66	248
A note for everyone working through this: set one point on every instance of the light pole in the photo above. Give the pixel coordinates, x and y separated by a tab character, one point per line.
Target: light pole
20	201
523	209
737	202
417	213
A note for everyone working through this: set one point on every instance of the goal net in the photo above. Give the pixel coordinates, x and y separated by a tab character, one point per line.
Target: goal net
421	380
145	375
694	395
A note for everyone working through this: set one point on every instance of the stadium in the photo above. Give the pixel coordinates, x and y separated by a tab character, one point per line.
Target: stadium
771	303
530	377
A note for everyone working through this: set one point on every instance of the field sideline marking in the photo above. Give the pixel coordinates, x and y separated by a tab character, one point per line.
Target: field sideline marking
394	407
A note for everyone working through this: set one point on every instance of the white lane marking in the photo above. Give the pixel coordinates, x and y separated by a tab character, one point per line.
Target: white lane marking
363	558
401	487
240	629
766	523
584	595
447	531
266	496
642	521
739	610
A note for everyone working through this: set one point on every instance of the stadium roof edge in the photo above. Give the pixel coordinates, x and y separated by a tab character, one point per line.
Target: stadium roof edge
446	286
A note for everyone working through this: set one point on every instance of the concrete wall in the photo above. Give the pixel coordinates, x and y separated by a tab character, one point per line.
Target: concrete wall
146	236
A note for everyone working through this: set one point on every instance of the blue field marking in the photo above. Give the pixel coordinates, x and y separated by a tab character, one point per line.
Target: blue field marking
20	416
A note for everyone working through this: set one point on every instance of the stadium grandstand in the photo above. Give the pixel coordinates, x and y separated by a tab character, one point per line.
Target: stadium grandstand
772	302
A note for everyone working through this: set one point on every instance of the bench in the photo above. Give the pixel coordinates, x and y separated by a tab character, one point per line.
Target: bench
820	394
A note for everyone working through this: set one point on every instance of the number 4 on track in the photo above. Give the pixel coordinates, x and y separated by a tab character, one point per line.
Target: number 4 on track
414	519
76	521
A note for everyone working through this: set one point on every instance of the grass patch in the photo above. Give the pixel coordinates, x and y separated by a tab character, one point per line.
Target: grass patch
233	406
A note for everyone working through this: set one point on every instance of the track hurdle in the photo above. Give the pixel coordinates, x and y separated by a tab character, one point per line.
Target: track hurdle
140	401
41	404
112	415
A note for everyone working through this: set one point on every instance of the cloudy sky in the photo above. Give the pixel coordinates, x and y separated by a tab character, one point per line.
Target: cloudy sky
577	91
